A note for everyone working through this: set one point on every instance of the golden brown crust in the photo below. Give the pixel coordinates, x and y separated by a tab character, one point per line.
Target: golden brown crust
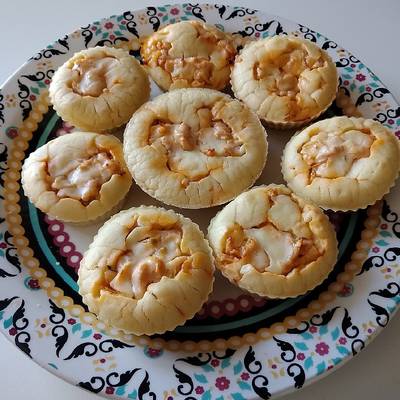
270	242
77	177
99	88
118	283
189	54
194	148
286	80
342	163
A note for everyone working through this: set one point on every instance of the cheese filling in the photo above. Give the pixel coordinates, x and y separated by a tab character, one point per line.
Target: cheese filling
332	155
189	150
91	76
212	51
82	179
280	244
151	254
293	73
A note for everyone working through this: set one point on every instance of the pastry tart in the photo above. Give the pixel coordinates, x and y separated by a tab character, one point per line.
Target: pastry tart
194	148
270	242
189	54
286	80
342	163
99	88
77	177
147	271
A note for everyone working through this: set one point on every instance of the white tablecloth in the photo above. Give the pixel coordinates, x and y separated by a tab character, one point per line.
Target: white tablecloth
368	28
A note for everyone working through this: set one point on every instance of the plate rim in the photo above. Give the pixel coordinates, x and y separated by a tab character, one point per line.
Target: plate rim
27	63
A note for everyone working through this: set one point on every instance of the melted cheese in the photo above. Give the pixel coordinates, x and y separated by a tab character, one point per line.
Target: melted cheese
188	151
282	242
82	179
92	76
146	261
191	52
331	155
278	245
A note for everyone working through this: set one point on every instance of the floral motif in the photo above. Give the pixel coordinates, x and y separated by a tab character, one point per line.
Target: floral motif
110	390
12	132
11	100
169	394
33	284
45	65
301	356
276	367
75	34
322	348
152	353
42	327
390	272
3	245
105	363
199	390
346	290
369	327
342	340
381	105
215	362
13	331
222	383
245	376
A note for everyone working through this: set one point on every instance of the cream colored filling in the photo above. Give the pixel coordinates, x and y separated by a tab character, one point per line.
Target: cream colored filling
188	150
91	77
292	73
157	253
192	69
198	71
82	179
332	155
278	245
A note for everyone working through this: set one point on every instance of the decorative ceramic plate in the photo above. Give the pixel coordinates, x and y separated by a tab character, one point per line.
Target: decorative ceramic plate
238	346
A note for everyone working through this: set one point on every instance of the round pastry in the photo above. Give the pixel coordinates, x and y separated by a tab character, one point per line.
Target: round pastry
147	271
78	177
99	88
189	54
342	163
270	242
286	80
194	148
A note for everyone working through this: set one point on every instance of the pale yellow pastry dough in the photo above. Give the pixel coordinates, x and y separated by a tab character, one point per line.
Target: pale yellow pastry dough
99	88
194	148
189	54
77	177
147	271
342	163
270	242
288	81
